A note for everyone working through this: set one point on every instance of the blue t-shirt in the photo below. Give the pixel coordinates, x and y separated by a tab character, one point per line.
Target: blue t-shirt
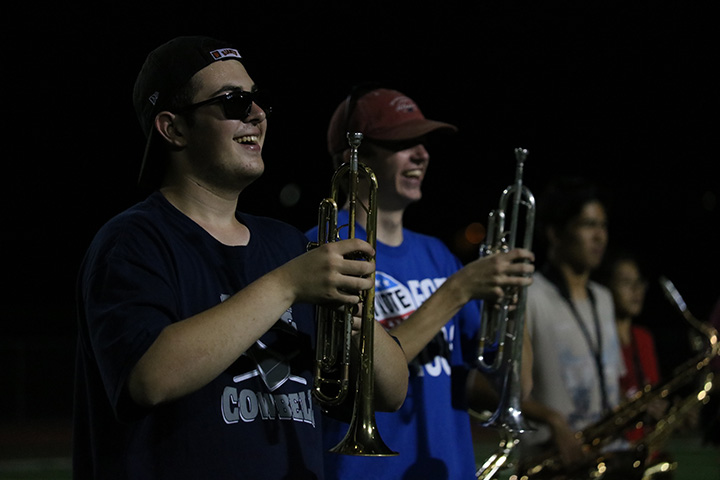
431	432
152	266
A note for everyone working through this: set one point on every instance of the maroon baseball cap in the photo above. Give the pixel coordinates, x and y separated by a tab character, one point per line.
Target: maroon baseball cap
379	114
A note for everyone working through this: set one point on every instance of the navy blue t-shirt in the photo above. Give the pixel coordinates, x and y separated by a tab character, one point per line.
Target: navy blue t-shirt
147	268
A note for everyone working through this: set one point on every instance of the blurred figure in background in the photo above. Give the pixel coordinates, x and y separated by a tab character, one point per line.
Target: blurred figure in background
621	273
577	364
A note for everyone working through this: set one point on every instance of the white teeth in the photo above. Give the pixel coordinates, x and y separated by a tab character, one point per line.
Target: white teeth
413	173
247	139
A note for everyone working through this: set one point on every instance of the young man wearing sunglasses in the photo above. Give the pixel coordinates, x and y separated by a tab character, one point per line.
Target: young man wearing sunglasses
196	324
423	296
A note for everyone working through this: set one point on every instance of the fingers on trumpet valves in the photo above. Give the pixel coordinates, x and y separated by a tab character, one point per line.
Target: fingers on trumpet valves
357	321
354	308
521	271
522	256
508	298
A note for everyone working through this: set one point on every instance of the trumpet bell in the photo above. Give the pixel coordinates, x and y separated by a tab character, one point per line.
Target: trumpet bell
363	439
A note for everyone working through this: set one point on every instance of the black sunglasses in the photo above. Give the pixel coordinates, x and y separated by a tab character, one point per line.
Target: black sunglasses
236	105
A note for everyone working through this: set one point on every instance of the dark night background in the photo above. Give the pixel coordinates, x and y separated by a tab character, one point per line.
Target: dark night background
622	92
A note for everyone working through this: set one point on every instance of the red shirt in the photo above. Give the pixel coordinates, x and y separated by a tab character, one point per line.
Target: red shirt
641	362
641	367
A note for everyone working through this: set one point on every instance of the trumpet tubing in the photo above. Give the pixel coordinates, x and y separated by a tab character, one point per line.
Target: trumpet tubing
332	366
500	323
332	362
497	318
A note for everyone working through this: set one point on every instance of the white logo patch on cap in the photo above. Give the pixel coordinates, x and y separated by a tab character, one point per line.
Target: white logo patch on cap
403	104
225	53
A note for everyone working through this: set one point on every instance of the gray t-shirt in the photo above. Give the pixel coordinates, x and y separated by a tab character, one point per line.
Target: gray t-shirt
565	375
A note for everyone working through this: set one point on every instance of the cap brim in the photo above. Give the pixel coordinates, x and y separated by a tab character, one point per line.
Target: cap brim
412	129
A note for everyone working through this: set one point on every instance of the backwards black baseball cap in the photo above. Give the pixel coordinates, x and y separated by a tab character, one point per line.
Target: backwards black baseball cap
166	70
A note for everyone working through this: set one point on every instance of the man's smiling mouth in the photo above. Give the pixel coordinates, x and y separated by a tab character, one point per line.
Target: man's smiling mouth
248	139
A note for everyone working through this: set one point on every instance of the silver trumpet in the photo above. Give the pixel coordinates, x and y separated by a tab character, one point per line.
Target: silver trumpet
332	365
501	324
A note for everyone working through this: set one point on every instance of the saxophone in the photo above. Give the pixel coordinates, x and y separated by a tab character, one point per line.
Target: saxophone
549	466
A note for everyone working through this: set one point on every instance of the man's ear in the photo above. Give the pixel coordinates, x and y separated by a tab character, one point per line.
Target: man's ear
171	128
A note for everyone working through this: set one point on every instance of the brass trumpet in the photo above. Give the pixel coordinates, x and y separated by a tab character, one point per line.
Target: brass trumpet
332	366
500	323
